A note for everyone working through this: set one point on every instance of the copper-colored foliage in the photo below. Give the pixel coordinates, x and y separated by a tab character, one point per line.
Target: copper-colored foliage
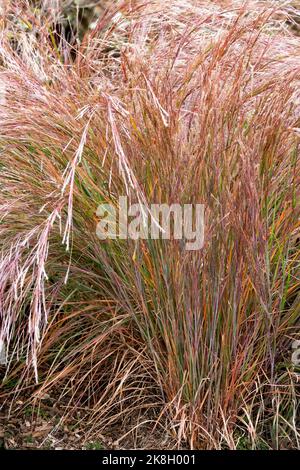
166	101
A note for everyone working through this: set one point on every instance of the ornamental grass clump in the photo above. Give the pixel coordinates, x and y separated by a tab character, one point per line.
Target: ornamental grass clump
175	102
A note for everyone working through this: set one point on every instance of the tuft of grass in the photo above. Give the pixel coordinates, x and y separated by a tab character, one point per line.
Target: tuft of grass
95	445
165	101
